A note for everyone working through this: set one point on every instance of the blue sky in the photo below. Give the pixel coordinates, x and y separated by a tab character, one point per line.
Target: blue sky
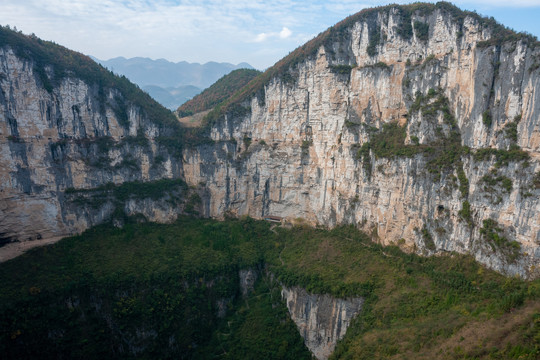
255	31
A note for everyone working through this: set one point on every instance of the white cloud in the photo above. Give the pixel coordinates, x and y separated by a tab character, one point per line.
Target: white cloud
191	30
261	37
285	33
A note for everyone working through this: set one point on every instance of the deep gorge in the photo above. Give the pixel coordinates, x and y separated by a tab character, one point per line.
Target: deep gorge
398	153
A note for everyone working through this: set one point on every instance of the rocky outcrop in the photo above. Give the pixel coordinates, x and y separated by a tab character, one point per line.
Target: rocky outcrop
248	277
308	144
76	136
321	319
419	124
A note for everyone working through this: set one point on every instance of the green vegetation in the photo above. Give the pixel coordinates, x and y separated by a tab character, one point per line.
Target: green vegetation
145	291
405	29
428	240
463	183
218	92
305	147
390	142
247	141
15	139
374	40
119	194
465	213
443	154
156	288
260	328
536	180
493	180
503	157
64	63
194	200
510	129
493	234
342	69
486	118
379	65
429	58
415	307
285	68
422	30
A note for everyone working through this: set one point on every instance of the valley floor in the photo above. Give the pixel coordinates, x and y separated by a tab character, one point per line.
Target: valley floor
157	291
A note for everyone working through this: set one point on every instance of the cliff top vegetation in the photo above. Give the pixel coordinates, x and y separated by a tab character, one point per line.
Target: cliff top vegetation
52	63
218	92
285	67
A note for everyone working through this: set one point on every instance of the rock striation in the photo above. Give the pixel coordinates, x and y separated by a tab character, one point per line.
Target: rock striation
66	146
419	124
321	319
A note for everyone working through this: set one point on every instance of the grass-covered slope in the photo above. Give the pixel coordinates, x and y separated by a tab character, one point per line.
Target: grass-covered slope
152	291
218	92
46	55
444	307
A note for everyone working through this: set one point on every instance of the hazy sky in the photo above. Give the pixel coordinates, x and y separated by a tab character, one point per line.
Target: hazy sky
255	31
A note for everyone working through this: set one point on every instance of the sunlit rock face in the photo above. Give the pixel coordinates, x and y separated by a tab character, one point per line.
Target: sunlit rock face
309	145
294	152
322	320
70	137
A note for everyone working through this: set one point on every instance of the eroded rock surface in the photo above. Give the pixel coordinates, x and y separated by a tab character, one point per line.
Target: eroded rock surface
302	154
322	320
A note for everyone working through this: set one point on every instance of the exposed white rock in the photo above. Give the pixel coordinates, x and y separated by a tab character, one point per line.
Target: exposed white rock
322	320
325	183
48	144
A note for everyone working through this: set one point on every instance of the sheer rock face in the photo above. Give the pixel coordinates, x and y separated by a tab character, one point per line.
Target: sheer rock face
321	319
68	138
302	160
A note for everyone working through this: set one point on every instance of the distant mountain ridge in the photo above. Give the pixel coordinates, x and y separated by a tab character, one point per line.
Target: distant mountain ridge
170	97
166	74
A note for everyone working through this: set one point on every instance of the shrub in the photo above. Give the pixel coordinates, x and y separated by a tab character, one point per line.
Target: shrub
493	234
503	157
536	180
465	212
486	118
490	181
374	39
381	65
306	144
428	240
422	30
463	183
405	29
342	69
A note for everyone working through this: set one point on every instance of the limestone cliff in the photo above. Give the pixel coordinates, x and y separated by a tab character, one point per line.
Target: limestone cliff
321	319
68	134
418	123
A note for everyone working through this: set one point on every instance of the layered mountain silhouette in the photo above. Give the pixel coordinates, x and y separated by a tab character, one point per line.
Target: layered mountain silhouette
171	84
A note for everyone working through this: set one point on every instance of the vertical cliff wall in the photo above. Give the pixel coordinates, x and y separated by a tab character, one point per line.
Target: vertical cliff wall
66	145
321	319
420	126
